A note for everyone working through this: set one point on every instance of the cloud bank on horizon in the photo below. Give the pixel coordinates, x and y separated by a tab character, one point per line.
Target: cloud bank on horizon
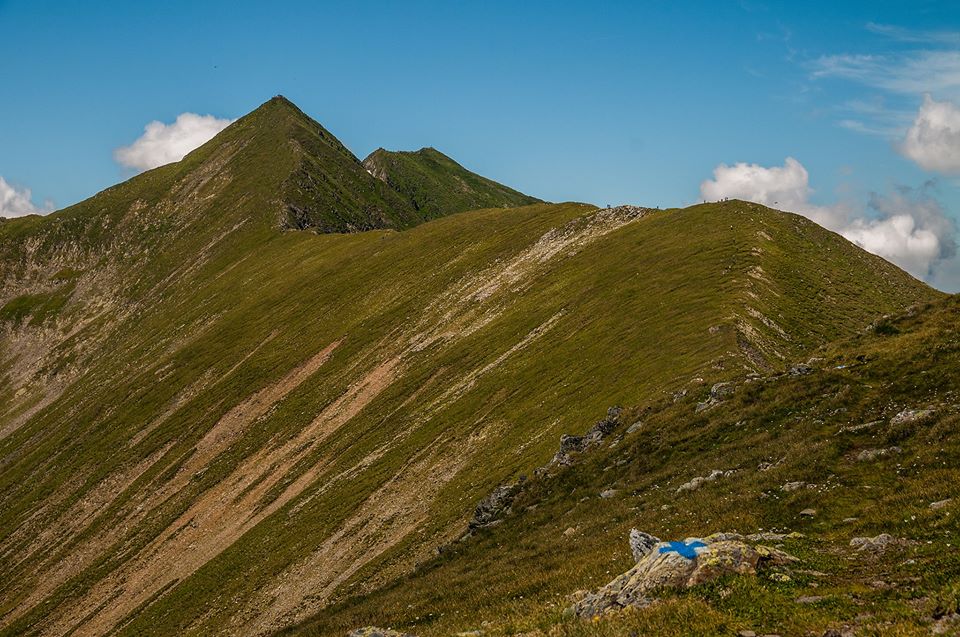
163	144
907	226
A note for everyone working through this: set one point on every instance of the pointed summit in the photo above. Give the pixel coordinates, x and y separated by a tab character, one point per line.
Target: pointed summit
279	152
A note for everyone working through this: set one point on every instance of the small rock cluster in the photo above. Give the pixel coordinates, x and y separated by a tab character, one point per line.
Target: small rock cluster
912	417
677	565
578	444
718	393
496	505
374	631
699	481
868	455
876	544
800	369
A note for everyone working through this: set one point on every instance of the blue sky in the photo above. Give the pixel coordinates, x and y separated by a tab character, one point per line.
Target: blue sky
611	102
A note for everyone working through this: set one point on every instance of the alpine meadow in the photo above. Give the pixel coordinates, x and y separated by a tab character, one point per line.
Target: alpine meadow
272	388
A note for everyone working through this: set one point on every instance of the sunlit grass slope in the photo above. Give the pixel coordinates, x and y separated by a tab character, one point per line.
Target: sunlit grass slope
809	430
436	185
210	424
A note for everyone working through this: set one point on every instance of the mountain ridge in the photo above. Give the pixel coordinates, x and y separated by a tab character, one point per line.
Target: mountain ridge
435	185
212	425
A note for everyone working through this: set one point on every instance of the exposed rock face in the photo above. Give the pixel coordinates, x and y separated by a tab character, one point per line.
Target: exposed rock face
641	544
496	505
578	444
679	565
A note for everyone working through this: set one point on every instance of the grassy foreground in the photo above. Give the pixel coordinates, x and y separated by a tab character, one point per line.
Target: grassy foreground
514	578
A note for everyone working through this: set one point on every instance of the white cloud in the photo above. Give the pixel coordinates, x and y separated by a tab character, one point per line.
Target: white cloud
16	202
165	143
784	187
909	227
933	141
912	73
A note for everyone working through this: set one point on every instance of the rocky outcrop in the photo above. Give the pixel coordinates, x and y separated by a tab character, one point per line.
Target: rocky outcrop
641	544
497	504
677	565
578	444
718	393
800	369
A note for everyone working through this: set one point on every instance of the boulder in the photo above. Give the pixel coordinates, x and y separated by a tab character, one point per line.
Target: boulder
678	565
641	544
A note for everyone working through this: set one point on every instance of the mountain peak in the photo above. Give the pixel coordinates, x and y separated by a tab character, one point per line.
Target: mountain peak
278	103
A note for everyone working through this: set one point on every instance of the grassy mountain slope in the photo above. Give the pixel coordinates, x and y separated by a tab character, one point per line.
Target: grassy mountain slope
209	425
436	185
816	432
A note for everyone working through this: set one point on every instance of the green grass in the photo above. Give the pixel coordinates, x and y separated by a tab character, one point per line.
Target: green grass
436	186
515	577
188	298
37	307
